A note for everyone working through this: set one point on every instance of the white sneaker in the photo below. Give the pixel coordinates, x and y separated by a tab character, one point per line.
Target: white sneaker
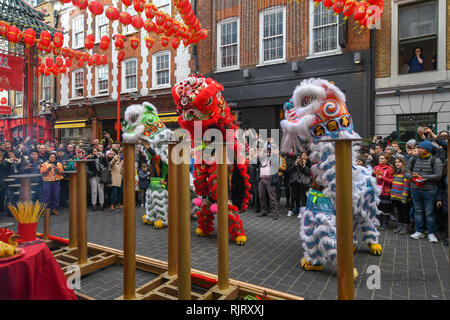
417	235
299	215
290	213
432	238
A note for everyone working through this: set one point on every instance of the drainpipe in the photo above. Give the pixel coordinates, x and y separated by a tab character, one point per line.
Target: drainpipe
55	96
372	83
194	50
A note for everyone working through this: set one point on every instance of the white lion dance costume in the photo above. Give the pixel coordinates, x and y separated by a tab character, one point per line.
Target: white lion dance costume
317	111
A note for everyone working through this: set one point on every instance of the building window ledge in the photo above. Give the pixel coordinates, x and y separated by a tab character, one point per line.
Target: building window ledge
161	87
221	70
270	63
324	54
78	98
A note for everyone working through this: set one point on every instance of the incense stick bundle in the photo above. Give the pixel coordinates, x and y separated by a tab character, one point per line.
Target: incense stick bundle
27	212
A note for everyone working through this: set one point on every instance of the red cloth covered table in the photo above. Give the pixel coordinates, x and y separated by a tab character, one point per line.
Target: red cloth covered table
34	276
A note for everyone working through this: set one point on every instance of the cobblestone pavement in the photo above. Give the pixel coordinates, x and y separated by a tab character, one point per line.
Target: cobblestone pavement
410	269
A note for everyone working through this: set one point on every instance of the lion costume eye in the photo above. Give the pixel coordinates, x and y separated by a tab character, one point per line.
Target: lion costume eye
307	100
134	118
210	101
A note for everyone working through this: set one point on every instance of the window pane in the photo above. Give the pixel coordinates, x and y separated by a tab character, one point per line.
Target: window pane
417	20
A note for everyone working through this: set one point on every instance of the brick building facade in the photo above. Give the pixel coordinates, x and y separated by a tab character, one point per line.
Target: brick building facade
406	101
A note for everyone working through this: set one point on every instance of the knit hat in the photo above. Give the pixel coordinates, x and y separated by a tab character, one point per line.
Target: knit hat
411	142
425	144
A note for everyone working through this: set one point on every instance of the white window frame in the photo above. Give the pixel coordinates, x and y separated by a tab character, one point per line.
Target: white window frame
219	44
129	29
98	19
312	53
166	8
44	87
155	56
97	86
262	13
74	73
124	83
78	20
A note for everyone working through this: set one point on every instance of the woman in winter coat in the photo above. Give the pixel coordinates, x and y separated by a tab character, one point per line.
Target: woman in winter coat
94	170
385	175
115	166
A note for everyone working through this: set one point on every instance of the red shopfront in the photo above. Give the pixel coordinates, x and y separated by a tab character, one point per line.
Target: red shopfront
11	129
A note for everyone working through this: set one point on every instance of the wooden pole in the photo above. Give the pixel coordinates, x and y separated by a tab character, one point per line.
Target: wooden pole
29	132
222	220
119	88
344	219
25	192
81	209
73	236
184	231
448	201
173	215
129	223
46	224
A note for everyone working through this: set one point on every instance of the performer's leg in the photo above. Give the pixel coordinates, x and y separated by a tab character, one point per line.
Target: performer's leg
236	229
205	221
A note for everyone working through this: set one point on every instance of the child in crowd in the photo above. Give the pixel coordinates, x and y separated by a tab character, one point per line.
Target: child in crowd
384	174
399	196
144	182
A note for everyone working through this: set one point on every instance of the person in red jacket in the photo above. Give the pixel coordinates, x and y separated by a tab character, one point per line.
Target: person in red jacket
385	175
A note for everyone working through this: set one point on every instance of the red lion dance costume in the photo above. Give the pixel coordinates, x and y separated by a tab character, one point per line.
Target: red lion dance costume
198	99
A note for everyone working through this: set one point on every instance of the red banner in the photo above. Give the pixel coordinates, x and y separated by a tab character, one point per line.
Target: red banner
11	72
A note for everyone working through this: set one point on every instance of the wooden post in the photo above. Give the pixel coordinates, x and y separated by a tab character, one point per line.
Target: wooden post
448	198
184	230
129	223
173	215
344	219
222	220
25	192
46	224
82	219
73	236
119	88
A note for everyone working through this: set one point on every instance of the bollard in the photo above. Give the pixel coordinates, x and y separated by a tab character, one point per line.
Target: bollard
344	219
222	220
173	215
129	223
184	230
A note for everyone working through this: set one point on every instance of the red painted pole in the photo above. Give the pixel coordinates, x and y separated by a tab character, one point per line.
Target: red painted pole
29	98
119	88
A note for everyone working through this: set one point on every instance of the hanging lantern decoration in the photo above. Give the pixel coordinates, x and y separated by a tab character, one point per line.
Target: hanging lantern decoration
58	40
139	6
68	62
160	18
47	71
373	2
103	59
4	26
150	10
338	6
29	37
39	46
160	30
203	34
165	41
96	8
63	69
149	26
45	38
360	11
82	4
13	34
56	51
127	3
175	43
49	48
149	41
97	60
49	62
90	62
168	23
175	26
65	1
112	13
121	55
80	63
316	3
137	22
104	43
85	56
125	18
89	41
78	55
65	52
349	8
328	3
59	62
119	41
134	42
41	68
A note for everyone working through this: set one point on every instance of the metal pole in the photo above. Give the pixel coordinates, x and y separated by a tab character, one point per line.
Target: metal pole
184	231
82	220
344	219
73	237
173	215
222	220
129	223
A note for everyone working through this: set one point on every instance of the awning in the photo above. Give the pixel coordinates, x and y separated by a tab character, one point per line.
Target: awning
71	124
168	117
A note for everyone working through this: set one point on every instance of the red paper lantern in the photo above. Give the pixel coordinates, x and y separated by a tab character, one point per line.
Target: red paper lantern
127	3
175	43
49	62
49	49
104	43
119	41
360	11
149	41
56	51
150	10
80	64
62	69
85	56
4	26
65	52
203	34
13	34
3	101
97	60
58	40
328	3
160	18
316	3
103	59
112	13
89	41
45	38
39	46
78	55
139	6
160	30
59	61
125	18
374	2
41	68
165	41
65	1
90	62
338	6
68	62
349	8
96	8
137	22
82	4
29	37
168	23
149	26
47	71
134	42
121	55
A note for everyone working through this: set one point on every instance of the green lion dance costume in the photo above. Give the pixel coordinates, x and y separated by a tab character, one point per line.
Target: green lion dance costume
143	123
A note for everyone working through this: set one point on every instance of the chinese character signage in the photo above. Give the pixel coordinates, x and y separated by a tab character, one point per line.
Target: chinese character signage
11	72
